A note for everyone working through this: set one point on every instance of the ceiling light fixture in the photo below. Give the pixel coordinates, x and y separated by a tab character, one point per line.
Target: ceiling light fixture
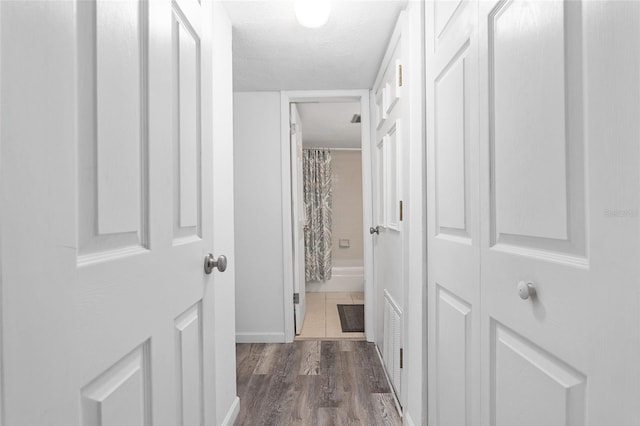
312	13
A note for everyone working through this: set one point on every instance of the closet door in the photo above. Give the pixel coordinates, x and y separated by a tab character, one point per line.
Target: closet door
559	168
453	225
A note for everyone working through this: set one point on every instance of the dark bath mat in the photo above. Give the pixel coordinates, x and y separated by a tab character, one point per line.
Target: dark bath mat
351	318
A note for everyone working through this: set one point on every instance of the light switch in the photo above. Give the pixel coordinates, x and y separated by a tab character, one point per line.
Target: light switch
344	243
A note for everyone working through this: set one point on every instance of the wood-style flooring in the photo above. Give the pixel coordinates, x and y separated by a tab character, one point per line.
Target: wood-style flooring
313	383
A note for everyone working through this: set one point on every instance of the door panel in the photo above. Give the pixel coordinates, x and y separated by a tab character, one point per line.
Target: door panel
379	186
535	76
392	343
188	123
188	332
187	140
392	176
443	14
450	146
120	111
453	358
381	106
529	162
122	394
555	393
112	120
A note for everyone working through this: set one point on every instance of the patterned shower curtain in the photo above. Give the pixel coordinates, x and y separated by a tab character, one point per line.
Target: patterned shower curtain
317	206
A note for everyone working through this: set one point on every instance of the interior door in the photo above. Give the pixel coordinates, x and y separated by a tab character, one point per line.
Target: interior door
107	210
559	108
453	213
299	220
533	282
389	147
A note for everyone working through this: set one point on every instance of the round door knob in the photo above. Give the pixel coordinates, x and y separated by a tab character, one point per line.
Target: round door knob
210	262
526	290
375	230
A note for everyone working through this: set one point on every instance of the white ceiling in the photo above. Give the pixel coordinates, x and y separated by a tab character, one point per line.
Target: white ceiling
328	125
271	51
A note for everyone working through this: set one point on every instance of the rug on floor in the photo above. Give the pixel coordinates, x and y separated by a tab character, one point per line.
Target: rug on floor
351	318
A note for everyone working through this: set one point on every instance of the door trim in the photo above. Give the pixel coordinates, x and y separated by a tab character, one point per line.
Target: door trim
286	97
2	422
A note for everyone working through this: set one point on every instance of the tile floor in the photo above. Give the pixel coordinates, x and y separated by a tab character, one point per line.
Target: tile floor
322	320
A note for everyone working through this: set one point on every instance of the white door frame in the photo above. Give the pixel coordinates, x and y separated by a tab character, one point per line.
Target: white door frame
1	276
297	204
287	97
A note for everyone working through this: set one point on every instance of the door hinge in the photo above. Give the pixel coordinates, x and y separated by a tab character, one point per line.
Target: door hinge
401	210
293	128
401	357
296	298
399	75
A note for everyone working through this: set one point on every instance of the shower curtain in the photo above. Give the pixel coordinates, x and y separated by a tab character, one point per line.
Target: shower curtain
317	206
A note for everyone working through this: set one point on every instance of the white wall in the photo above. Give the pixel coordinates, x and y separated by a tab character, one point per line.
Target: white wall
258	217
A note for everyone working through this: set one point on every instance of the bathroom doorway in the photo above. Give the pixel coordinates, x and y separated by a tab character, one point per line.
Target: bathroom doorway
330	204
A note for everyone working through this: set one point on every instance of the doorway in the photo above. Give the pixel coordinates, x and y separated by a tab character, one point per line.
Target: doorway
312	299
328	203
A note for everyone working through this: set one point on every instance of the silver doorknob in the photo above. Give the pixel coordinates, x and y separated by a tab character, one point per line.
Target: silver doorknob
375	230
210	262
526	290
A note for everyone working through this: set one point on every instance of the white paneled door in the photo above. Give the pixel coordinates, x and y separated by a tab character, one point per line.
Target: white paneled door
534	233
107	212
299	216
390	104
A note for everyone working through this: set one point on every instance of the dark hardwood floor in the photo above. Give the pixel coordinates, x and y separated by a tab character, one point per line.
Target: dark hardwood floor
313	383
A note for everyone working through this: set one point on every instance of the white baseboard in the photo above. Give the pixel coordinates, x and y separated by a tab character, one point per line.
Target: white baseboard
260	337
232	412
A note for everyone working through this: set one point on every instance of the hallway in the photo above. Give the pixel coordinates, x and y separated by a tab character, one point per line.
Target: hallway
313	383
153	223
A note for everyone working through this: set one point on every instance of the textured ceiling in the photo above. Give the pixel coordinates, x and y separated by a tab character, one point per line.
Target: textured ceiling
271	51
328	125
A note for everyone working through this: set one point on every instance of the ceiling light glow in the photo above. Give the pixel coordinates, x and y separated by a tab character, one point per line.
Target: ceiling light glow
312	13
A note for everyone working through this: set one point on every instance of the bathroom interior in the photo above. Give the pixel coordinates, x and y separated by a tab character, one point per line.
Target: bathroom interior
334	270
